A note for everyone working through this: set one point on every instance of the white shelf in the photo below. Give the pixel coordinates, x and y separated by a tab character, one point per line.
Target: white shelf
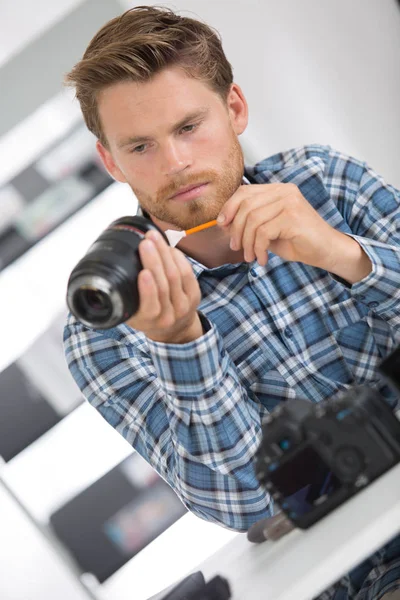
64	461
33	288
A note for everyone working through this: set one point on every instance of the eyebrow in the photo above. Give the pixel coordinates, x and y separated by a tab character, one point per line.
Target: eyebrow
185	121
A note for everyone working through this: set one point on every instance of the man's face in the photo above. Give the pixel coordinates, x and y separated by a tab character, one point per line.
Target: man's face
170	133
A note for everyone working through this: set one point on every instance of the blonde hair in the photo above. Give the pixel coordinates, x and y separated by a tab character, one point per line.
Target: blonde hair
140	43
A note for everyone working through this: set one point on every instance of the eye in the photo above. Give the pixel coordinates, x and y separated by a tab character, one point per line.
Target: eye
189	128
139	149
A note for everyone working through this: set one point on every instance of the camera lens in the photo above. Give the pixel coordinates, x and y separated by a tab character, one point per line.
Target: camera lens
94	303
96	299
102	289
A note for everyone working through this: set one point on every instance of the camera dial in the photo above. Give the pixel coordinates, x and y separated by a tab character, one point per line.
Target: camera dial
348	463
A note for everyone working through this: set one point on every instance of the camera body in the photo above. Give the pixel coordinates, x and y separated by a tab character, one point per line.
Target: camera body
313	457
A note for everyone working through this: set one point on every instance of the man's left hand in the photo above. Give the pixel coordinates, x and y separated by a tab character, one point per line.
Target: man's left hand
278	218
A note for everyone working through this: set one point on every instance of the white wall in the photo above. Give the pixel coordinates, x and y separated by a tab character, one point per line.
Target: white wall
314	71
23	21
35	73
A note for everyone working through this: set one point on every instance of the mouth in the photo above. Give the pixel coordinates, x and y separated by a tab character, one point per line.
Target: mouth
189	192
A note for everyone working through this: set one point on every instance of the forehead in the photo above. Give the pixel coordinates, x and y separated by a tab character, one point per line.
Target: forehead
145	108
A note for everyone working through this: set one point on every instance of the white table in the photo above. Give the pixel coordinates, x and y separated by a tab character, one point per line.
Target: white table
297	567
304	563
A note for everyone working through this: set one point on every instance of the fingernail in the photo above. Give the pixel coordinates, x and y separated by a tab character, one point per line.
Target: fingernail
146	277
220	219
148	245
232	244
153	235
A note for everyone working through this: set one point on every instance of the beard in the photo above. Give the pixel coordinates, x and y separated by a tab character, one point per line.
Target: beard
222	185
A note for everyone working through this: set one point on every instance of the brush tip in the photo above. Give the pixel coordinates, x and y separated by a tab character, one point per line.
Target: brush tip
174	237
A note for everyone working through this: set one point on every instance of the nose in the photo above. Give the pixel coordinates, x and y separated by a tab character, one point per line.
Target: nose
175	158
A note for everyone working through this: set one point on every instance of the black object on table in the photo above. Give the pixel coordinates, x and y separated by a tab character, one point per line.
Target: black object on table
194	587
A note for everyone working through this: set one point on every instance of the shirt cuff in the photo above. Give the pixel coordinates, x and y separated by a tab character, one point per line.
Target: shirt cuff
193	369
381	287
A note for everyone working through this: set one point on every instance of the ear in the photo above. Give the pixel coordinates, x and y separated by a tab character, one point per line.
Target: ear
237	109
109	163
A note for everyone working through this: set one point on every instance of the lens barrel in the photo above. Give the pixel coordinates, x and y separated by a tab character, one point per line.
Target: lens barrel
102	289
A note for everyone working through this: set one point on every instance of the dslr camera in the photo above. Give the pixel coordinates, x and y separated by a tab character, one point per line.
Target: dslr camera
313	457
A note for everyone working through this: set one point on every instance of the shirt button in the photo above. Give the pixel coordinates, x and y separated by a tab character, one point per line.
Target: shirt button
253	272
288	332
373	304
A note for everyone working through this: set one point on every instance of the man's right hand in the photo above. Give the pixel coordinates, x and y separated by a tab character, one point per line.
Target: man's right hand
169	294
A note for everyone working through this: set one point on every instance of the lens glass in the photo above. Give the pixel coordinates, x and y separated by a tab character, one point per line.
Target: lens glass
93	304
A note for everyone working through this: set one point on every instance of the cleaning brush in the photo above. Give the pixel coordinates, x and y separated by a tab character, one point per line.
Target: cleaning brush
174	237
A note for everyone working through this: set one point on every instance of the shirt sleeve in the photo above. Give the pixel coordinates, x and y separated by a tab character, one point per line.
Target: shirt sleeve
183	408
371	208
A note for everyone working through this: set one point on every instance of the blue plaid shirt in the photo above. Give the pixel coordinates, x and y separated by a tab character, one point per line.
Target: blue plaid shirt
195	411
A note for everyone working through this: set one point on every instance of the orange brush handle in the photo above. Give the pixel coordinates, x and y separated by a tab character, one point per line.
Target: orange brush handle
200	227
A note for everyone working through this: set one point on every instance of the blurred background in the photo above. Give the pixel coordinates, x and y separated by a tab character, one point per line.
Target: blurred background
82	516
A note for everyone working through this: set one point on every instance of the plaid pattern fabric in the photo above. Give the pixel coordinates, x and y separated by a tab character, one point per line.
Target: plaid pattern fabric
372	579
286	330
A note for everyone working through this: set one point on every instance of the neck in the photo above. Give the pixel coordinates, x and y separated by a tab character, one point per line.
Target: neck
209	247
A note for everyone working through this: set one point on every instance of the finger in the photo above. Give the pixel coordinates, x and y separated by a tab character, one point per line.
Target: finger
266	234
238	224
190	285
151	260
255	219
231	207
149	304
179	297
245	212
261	246
170	268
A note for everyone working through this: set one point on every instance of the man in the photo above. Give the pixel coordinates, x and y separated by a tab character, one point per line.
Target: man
294	294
